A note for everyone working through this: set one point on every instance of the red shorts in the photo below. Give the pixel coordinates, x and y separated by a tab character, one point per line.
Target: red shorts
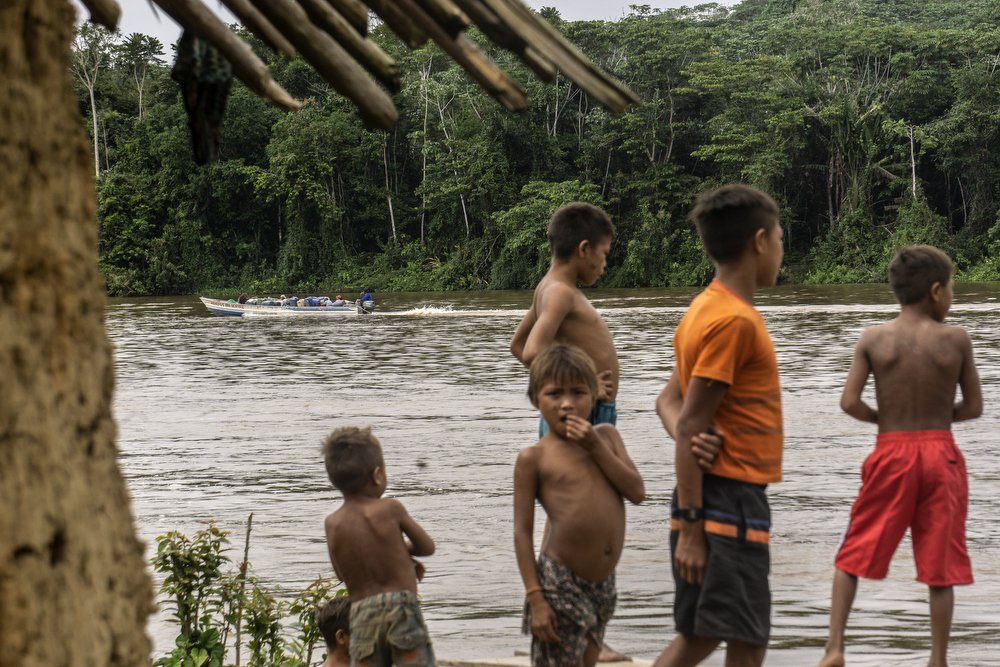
915	480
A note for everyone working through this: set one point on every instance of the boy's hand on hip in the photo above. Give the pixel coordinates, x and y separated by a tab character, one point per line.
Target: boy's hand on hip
706	447
605	385
543	619
691	552
419	568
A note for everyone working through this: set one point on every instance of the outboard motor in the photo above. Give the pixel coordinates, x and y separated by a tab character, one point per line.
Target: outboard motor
366	307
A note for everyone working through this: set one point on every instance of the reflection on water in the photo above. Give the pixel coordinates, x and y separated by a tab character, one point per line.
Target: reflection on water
219	417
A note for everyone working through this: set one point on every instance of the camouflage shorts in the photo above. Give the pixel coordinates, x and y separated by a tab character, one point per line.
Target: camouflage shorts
582	608
388	629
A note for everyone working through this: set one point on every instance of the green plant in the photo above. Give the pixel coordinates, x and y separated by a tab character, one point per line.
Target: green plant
211	606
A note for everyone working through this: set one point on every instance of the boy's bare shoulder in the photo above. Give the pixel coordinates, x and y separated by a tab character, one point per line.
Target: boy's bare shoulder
551	289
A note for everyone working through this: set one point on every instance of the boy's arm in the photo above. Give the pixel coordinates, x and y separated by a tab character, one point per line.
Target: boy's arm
328	528
543	622
521	334
420	543
971	405
857	377
608	451
705	446
551	308
702	402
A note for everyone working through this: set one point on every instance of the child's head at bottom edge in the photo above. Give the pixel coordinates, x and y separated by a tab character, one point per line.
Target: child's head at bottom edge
564	364
352	455
915	269
334	621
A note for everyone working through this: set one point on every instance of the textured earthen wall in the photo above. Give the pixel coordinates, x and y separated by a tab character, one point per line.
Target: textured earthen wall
73	588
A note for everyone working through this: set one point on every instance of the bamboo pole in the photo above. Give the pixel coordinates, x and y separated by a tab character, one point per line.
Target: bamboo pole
331	61
446	14
247	67
486	20
574	56
104	12
251	17
461	49
399	22
364	51
354	11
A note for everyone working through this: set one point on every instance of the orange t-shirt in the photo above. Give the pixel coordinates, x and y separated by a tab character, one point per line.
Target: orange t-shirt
723	338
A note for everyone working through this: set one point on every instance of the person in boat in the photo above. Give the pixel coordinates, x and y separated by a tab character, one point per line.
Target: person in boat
333	620
242	298
915	478
339	301
366	302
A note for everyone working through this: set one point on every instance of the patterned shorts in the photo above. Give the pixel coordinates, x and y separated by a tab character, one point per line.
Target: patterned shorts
582	608
388	629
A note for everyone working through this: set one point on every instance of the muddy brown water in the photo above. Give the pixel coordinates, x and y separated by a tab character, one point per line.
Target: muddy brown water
219	417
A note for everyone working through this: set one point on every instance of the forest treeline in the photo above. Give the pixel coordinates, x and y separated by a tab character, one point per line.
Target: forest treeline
873	124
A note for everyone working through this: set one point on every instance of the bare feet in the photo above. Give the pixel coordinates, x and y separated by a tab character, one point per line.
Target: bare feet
608	654
832	659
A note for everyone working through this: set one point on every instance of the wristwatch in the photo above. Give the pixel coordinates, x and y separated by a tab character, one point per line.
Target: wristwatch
690	514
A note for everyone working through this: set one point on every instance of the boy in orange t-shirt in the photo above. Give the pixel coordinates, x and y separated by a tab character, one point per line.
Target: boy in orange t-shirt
726	380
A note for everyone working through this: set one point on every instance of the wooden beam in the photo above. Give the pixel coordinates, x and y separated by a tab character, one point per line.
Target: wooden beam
365	51
104	12
251	17
247	67
331	61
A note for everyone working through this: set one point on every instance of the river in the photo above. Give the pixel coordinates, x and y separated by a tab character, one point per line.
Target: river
219	417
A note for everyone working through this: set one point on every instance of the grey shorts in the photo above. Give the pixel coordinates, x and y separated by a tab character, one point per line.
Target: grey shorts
582	608
388	629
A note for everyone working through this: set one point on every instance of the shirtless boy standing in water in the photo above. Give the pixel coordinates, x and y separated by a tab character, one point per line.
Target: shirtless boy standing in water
579	473
915	478
580	237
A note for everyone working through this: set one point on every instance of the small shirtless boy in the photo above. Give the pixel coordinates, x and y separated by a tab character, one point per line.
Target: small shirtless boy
580	237
334	621
372	541
579	473
726	379
915	478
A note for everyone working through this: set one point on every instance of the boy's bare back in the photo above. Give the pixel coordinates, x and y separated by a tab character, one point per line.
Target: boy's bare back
561	313
917	363
366	545
586	512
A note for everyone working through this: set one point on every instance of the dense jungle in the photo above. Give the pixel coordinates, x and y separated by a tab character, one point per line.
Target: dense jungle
873	123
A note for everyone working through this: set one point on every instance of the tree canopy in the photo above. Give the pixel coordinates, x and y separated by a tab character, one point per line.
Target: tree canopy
871	123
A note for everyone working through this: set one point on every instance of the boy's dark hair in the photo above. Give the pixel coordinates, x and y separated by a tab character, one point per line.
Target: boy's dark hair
914	269
334	615
561	363
729	216
577	222
351	454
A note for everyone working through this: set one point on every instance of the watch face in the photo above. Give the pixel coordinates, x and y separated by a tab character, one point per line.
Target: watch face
690	513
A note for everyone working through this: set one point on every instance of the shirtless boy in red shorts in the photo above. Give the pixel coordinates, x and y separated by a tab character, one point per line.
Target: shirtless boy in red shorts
915	478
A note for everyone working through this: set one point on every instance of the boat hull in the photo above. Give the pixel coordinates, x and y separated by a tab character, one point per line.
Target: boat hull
220	307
